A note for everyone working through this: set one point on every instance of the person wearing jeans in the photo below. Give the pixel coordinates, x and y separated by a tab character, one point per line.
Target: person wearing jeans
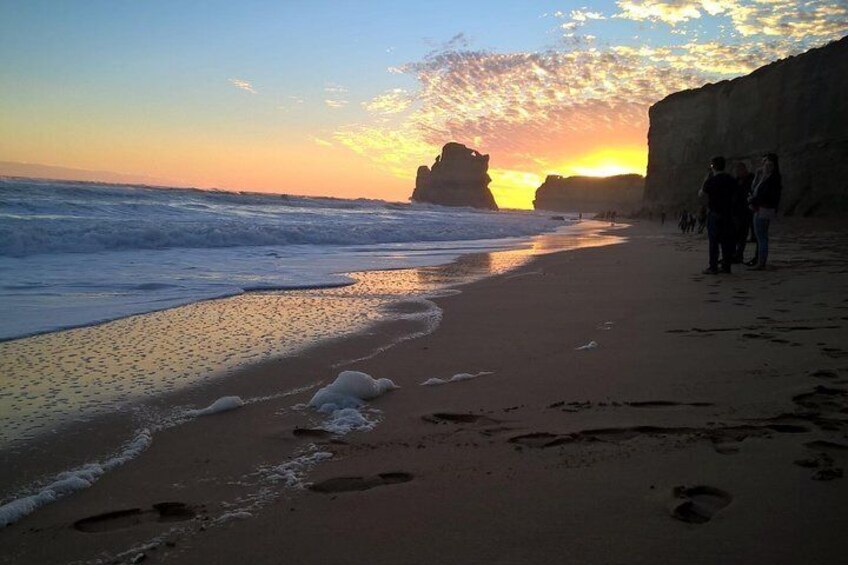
765	199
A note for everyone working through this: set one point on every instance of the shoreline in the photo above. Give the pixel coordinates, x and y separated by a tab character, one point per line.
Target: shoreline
681	391
402	317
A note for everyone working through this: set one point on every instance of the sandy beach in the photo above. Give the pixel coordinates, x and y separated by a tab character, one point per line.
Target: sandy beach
708	424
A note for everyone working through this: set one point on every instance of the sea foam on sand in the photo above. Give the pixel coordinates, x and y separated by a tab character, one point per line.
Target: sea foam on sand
223	404
292	472
344	398
435	381
71	481
350	390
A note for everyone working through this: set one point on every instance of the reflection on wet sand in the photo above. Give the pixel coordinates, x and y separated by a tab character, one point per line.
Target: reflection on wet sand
72	374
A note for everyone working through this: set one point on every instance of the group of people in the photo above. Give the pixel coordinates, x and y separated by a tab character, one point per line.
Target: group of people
687	221
736	205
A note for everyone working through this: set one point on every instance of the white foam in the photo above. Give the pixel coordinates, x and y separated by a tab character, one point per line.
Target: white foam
435	381
292	472
348	420
350	390
237	515
588	346
223	404
430	318
71	481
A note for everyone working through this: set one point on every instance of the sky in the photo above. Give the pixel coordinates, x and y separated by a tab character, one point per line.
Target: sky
348	98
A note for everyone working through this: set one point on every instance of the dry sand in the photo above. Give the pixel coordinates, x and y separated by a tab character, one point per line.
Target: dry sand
710	425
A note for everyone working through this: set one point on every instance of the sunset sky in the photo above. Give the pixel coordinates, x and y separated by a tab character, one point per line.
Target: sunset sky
347	98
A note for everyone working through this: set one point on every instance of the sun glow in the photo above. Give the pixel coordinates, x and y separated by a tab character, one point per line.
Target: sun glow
607	162
514	189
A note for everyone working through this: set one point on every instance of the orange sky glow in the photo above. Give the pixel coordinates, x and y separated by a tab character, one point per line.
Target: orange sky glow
264	108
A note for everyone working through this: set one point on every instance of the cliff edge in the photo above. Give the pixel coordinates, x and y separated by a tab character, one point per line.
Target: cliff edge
459	177
796	107
590	194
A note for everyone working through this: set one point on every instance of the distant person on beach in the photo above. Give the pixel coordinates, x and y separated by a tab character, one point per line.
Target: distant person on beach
764	200
742	215
719	188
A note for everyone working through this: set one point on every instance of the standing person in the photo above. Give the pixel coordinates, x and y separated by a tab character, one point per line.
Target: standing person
719	188
764	200
742	215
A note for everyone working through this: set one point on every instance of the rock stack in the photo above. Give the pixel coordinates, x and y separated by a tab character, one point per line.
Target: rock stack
459	177
590	194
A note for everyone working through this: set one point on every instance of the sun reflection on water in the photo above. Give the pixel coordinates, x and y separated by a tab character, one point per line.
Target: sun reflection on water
53	378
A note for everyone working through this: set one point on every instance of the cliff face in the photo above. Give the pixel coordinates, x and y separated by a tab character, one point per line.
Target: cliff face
590	194
796	107
459	177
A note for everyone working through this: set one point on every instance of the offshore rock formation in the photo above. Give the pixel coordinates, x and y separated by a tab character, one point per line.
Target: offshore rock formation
459	177
795	107
590	194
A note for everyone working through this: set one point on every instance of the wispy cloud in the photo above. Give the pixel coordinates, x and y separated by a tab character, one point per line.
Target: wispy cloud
336	96
786	18
243	84
392	102
537	111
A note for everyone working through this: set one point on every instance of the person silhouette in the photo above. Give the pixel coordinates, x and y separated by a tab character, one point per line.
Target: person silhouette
719	188
764	201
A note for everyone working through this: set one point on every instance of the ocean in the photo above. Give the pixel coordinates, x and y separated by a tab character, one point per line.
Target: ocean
111	295
74	254
119	303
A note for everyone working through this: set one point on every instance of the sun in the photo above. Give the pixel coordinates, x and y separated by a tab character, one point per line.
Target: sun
608	161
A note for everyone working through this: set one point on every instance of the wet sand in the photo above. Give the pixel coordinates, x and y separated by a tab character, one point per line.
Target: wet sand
709	425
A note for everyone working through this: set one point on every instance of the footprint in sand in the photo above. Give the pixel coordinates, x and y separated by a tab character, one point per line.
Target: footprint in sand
457	418
162	512
351	484
698	504
311	432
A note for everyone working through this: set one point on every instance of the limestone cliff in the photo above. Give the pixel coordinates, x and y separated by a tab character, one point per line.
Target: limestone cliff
590	194
796	107
459	177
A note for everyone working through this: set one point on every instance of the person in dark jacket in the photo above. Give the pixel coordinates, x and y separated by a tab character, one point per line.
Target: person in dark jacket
742	215
764	201
719	187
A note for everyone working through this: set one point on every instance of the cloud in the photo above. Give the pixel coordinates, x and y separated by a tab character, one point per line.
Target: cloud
243	84
787	18
584	15
392	102
795	20
336	96
543	112
671	12
335	104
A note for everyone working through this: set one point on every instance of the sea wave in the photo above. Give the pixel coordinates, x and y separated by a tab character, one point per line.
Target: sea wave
39	217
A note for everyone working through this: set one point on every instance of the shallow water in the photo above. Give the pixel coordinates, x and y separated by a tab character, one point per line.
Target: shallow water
65	376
